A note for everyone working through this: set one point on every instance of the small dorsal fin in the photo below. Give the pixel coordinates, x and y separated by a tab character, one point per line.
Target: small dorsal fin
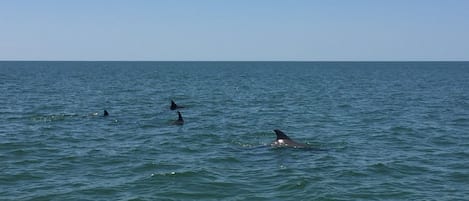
173	105
180	117
105	113
180	120
281	135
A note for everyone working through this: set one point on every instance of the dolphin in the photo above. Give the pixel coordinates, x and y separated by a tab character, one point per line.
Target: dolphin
105	113
285	141
180	120
174	106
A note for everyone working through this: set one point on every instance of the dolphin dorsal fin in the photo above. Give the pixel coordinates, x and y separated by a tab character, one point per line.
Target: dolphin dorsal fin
180	117
173	105
281	135
105	113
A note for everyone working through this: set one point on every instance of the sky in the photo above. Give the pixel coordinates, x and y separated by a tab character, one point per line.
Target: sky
235	30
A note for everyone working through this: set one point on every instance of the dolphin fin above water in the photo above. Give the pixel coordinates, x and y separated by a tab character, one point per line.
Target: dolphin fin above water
174	105
105	113
281	135
180	120
284	141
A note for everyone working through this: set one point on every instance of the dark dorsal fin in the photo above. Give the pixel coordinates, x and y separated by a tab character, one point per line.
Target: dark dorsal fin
105	113
180	117
281	135
173	105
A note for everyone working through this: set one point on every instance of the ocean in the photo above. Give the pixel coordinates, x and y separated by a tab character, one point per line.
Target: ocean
383	130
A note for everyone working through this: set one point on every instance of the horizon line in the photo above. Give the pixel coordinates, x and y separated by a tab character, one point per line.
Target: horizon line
305	61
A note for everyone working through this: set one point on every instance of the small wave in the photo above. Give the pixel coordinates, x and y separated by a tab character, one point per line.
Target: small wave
225	159
295	184
23	176
397	169
460	121
380	168
401	129
145	167
460	177
187	174
245	145
344	106
444	140
52	117
352	173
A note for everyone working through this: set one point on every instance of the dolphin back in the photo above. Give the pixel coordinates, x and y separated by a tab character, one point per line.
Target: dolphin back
284	141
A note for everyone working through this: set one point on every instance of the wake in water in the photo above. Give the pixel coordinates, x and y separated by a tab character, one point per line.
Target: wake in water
62	117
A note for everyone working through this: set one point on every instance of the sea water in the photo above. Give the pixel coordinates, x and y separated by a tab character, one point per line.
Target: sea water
386	130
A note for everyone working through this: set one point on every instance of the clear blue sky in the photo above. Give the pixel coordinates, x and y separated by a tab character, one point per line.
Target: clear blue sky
249	30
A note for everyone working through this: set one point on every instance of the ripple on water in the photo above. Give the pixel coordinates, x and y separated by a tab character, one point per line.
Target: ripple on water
392	131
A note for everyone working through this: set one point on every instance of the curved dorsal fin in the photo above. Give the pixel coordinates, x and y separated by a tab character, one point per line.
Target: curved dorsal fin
281	135
105	113
173	105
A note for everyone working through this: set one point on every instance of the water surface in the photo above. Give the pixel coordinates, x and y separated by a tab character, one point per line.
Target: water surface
392	130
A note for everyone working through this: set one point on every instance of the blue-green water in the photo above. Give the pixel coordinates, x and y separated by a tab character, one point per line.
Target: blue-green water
390	131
